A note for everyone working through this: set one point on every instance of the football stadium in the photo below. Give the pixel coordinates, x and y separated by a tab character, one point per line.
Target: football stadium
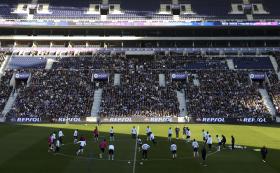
139	86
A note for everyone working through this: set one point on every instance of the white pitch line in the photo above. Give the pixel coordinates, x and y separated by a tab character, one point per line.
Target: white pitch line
135	151
210	154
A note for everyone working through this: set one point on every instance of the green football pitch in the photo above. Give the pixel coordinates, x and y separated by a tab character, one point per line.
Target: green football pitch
24	149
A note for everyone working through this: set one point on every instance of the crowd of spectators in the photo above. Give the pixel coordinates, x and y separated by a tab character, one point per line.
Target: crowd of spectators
277	58
5	90
274	92
139	95
2	58
119	62
67	89
97	62
56	93
274	85
225	94
274	89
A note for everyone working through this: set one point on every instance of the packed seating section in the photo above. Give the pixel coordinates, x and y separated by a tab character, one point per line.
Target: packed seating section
67	89
225	94
5	90
55	93
2	58
274	87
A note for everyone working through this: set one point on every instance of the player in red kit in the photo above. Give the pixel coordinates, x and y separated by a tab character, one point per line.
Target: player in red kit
96	134
103	145
50	143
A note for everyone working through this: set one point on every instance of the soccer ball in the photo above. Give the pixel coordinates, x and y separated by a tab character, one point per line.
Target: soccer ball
141	163
128	162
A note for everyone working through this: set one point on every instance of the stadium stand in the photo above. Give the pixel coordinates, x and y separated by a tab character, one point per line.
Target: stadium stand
252	63
275	95
274	87
134	15
9	9
67	89
5	89
67	13
269	6
132	10
62	82
277	57
140	5
224	93
219	8
6	12
139	95
20	62
2	58
70	3
55	93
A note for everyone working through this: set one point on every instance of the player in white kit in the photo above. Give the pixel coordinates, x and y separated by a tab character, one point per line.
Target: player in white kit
195	148
170	134
173	149
111	151
75	136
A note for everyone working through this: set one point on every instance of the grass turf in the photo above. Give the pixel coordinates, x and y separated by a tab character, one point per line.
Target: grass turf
24	149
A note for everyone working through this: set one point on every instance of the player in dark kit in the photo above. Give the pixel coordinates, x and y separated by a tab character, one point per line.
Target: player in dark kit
98	120
224	141
184	130
50	143
139	143
232	142
203	155
177	131
264	153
